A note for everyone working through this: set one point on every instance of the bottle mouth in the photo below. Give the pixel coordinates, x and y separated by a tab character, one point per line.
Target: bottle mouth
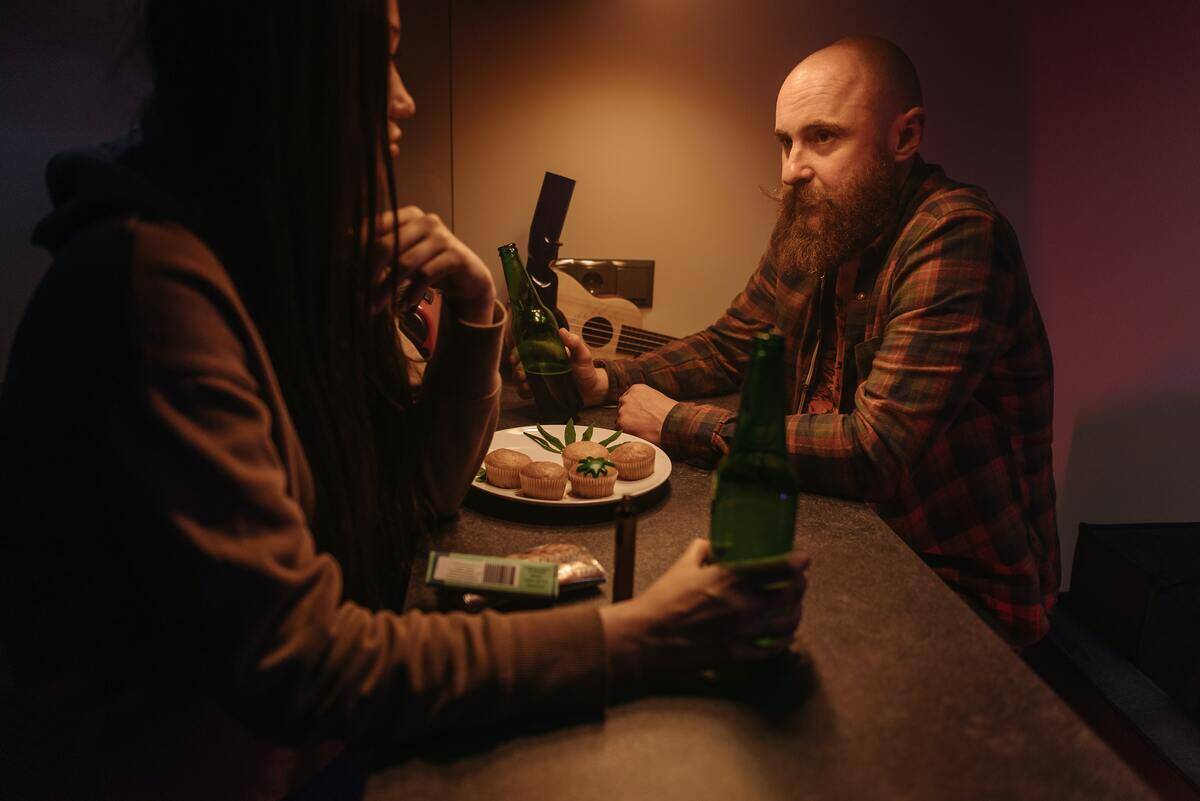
771	337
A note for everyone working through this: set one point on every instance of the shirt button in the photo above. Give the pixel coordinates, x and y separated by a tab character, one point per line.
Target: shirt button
861	296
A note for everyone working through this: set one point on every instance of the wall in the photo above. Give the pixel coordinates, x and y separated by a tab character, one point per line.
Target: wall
664	113
68	78
65	81
1115	171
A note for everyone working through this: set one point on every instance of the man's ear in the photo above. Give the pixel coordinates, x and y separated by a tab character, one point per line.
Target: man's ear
907	132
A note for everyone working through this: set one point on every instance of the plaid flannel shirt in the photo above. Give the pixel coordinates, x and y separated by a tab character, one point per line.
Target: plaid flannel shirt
947	431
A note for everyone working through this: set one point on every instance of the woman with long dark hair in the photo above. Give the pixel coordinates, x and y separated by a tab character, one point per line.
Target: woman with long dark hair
214	471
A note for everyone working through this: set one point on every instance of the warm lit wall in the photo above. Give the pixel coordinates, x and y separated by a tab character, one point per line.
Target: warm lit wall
663	110
1115	176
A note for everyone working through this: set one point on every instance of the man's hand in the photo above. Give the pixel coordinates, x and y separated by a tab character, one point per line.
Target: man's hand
641	412
431	255
591	380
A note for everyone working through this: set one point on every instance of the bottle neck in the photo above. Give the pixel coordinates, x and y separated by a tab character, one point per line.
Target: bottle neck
520	288
762	414
522	292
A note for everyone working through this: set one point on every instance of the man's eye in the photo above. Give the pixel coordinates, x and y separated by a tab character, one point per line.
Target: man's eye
823	137
785	143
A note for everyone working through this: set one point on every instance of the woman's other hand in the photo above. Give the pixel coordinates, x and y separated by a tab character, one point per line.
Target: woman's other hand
430	255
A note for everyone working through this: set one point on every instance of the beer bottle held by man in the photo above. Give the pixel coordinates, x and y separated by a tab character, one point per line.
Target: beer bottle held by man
535	330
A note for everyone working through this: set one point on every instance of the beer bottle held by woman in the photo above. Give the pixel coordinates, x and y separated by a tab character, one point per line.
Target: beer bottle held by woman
755	485
543	356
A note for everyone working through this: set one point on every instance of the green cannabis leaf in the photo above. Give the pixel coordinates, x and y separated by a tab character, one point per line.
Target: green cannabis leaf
608	440
543	443
594	466
553	440
549	442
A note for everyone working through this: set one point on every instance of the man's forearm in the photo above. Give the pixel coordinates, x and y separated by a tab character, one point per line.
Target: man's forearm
692	367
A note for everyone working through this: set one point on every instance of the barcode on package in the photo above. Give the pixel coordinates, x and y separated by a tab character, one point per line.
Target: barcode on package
498	574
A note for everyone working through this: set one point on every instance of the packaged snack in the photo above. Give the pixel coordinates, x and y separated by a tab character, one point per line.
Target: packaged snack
577	570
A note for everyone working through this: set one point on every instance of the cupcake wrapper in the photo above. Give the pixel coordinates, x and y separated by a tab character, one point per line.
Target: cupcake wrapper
503	477
634	471
588	487
546	489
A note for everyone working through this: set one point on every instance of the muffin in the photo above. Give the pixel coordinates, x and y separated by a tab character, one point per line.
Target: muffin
503	467
593	477
635	460
546	481
574	453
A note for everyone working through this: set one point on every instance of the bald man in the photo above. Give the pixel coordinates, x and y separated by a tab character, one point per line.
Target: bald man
921	378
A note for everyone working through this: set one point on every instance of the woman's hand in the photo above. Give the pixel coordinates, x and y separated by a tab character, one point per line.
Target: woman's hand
700	615
430	255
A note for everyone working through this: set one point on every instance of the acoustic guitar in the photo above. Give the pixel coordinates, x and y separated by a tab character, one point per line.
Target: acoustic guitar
611	326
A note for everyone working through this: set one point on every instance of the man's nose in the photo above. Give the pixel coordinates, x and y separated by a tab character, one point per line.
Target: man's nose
796	170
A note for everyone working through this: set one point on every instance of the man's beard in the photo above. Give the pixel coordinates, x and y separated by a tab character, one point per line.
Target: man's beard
849	219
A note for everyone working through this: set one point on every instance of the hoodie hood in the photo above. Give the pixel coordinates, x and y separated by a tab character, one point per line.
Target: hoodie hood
89	185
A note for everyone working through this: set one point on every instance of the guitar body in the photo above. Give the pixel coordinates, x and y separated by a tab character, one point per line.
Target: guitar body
611	327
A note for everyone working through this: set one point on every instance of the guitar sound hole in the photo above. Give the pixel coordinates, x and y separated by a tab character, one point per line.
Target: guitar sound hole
597	332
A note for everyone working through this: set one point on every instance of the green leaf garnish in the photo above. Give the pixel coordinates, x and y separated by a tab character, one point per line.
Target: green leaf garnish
541	442
587	435
481	475
569	431
608	440
553	440
594	466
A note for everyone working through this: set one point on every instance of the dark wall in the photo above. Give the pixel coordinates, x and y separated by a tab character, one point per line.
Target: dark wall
1115	179
65	81
70	76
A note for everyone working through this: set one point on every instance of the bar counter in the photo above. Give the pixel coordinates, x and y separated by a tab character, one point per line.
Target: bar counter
899	691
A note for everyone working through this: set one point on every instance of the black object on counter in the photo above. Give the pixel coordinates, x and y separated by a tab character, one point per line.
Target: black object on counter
625	550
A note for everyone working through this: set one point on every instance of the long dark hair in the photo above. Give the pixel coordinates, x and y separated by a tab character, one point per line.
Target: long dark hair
271	119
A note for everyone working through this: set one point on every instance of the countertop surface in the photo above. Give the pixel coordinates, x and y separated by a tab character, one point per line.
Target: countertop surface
898	691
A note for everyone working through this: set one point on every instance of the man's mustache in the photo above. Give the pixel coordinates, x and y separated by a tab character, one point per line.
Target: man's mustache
795	199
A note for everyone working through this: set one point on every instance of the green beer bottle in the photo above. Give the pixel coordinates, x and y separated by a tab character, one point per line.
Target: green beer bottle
535	330
755	486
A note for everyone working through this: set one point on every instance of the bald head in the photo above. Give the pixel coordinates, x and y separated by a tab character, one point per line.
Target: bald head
876	71
889	67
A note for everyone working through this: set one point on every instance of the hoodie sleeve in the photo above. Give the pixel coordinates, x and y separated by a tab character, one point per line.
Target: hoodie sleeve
228	567
460	404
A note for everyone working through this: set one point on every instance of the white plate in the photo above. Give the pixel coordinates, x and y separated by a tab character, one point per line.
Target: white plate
515	439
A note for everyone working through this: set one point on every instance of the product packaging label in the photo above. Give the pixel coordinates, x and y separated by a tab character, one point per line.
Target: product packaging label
492	574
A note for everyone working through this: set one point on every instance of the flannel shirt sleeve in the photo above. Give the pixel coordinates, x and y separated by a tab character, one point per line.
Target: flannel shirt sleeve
948	317
710	362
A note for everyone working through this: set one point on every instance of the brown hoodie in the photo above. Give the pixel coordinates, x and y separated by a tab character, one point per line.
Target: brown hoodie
167	627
